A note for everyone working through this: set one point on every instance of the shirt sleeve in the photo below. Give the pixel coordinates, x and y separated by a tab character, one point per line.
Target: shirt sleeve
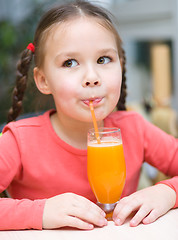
15	214
161	151
10	159
21	214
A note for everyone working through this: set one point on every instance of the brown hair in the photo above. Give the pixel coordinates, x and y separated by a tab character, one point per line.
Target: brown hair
55	16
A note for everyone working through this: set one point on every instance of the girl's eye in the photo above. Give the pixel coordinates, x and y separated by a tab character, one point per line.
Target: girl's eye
70	63
103	60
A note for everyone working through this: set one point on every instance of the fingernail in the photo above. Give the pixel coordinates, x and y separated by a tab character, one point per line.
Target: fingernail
90	226
118	222
133	223
103	222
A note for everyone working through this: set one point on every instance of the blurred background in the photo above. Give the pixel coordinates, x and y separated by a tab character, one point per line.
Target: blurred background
149	30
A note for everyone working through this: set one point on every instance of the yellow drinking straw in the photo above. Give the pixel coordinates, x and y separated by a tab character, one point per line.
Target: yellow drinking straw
94	122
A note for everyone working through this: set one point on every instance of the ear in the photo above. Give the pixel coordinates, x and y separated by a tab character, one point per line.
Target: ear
40	81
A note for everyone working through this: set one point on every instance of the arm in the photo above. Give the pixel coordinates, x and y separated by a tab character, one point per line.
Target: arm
21	214
62	210
161	151
15	214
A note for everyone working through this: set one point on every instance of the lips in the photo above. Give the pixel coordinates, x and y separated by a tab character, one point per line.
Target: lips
94	100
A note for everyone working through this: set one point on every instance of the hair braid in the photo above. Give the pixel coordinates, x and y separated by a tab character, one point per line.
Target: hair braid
21	83
122	100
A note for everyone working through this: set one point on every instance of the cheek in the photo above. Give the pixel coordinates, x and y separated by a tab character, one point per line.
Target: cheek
63	98
63	89
114	89
114	85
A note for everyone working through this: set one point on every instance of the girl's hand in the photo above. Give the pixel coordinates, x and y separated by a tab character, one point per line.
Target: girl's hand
71	210
149	203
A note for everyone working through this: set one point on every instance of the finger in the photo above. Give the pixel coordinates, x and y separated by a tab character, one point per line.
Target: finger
151	217
119	207
125	211
139	216
89	212
87	204
89	215
78	223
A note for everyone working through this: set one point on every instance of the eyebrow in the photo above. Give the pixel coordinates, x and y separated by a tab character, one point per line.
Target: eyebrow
66	54
105	51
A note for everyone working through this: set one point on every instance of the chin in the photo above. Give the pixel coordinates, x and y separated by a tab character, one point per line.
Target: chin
100	115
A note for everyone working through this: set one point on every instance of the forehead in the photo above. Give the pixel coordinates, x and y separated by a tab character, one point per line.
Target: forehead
83	28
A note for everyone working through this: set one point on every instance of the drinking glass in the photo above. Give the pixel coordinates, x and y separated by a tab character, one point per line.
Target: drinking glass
106	167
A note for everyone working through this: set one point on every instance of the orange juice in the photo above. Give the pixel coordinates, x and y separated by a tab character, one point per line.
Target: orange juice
106	170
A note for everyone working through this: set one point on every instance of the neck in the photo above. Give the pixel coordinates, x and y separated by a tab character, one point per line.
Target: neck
74	133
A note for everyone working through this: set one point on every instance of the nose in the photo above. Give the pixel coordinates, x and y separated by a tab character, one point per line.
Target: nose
90	83
91	78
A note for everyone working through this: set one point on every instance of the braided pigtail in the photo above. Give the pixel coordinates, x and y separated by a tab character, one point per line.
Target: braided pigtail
21	83
122	100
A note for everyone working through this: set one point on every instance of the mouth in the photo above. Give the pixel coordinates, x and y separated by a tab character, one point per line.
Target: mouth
95	101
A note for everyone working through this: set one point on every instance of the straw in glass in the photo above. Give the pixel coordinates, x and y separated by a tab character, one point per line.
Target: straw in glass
94	122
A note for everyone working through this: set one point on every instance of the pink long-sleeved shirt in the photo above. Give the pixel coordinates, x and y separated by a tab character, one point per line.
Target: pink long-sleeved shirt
36	164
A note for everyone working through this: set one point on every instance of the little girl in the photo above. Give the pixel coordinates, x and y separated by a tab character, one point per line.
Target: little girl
78	57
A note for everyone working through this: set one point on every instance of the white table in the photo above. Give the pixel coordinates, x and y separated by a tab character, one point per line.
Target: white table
164	228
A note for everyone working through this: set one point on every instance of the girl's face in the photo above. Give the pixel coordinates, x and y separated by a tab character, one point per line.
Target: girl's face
81	64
